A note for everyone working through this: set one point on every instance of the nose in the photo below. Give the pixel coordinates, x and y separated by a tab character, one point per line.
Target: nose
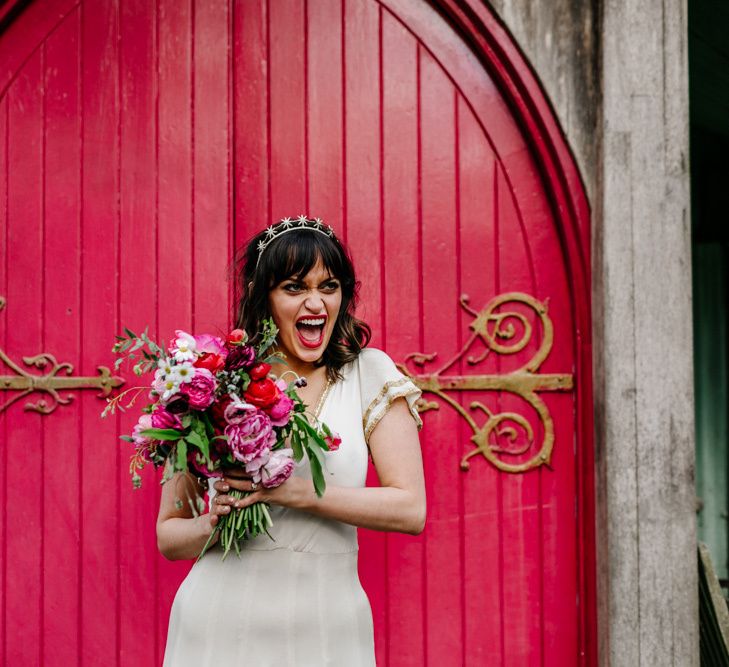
314	303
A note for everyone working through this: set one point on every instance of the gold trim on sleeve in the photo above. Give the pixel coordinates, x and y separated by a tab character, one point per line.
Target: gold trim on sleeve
385	389
391	398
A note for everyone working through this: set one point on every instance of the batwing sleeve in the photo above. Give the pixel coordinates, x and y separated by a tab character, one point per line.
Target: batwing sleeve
381	384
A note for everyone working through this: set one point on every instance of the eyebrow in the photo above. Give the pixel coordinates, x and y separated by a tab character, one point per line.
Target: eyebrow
301	280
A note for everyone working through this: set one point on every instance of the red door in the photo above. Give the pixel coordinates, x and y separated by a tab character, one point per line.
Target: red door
141	143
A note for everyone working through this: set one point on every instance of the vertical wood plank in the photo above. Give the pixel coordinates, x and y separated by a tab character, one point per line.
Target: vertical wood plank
251	110
362	230
24	584
4	426
62	270
362	122
482	576
137	309
439	271
174	222
520	492
324	111
559	567
287	95
211	243
99	499
174	165
406	600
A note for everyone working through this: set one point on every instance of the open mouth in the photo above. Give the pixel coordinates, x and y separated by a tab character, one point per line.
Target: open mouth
311	330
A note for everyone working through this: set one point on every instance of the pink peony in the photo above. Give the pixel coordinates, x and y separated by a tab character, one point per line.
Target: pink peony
237	411
145	422
251	437
279	468
280	411
333	441
208	343
201	389
161	418
255	465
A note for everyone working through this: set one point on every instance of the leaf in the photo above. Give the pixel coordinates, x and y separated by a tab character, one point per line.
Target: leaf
129	333
126	438
181	456
161	433
186	421
209	430
272	359
317	476
296	445
195	439
315	452
198	426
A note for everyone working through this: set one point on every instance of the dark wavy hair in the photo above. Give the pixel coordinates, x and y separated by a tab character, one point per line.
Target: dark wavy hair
293	255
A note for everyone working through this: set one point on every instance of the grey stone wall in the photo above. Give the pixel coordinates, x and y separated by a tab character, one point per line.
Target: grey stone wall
616	74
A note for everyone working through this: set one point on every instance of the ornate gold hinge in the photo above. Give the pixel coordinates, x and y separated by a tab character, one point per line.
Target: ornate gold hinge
492	326
50	383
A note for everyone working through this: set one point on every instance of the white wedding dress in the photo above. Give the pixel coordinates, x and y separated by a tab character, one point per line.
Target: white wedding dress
295	601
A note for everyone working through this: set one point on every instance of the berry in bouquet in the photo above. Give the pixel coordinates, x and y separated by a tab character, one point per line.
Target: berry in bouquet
216	405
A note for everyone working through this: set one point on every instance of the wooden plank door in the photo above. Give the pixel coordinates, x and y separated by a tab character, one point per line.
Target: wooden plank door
141	143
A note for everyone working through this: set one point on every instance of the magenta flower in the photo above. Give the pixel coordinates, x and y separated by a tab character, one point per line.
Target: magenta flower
197	461
279	468
237	411
333	441
162	418
201	389
280	411
251	437
240	357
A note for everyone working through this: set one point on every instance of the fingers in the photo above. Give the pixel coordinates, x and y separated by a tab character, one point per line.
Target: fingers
250	499
239	484
235	473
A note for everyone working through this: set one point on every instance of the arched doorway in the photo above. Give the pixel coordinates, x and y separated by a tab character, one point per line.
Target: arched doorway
143	141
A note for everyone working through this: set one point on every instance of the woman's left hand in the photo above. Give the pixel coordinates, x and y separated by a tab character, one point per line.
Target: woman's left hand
288	494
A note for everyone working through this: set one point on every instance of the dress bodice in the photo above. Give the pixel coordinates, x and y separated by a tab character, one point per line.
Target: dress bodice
353	408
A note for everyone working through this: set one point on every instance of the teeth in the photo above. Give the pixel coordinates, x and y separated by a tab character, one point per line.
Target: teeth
313	323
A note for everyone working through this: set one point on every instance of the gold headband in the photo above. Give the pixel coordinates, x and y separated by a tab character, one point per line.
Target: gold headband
291	225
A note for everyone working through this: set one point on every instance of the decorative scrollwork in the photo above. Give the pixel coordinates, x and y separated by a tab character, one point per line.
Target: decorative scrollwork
26	383
502	332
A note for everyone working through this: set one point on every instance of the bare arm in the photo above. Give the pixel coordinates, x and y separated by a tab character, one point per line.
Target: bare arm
181	534
397	505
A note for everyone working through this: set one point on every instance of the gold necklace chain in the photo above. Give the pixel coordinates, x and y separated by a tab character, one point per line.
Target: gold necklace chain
322	398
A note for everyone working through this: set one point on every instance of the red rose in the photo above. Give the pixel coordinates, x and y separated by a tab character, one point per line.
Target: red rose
259	371
333	441
213	362
217	412
262	393
234	337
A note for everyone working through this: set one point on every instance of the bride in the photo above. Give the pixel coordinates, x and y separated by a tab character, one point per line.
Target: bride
296	599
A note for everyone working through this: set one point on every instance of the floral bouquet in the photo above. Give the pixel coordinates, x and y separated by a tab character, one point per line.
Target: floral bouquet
215	404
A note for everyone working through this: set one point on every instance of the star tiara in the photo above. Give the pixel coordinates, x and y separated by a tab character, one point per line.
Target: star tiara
291	225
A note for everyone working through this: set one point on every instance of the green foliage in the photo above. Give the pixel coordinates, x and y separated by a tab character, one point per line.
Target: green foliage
268	334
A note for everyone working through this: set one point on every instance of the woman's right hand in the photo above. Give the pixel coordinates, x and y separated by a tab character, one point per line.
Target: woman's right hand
221	505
